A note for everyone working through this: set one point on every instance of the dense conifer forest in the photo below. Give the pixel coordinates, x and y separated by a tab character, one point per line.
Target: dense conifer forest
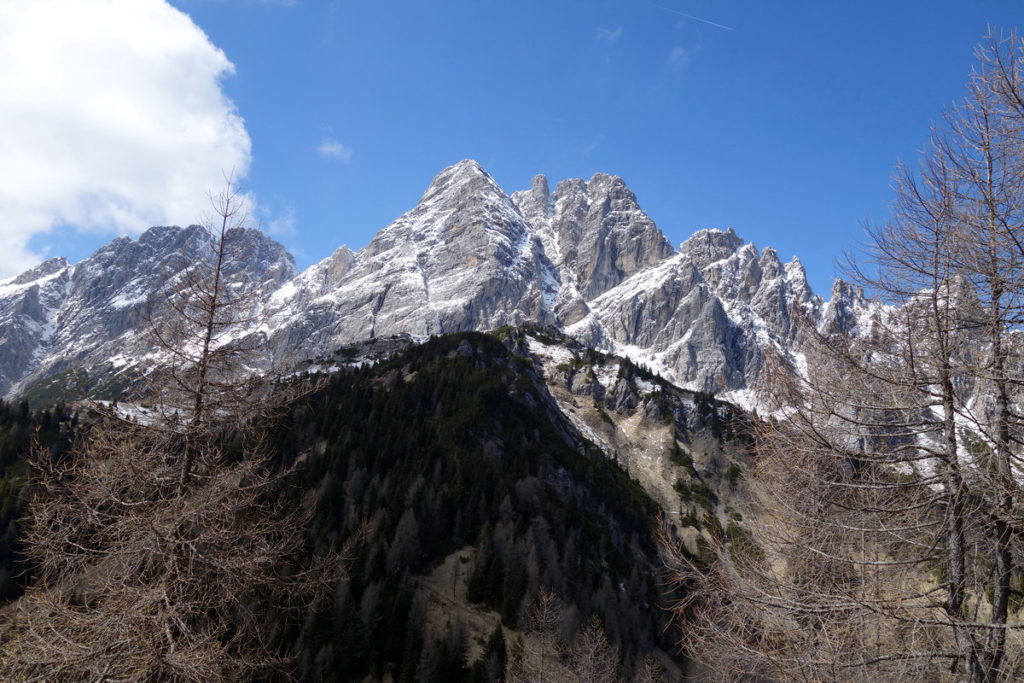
451	445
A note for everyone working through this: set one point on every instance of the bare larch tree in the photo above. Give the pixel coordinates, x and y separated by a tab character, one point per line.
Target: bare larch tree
883	530
162	553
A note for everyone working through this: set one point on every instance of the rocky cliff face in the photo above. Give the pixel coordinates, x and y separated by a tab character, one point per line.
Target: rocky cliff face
594	232
29	304
705	315
584	258
96	314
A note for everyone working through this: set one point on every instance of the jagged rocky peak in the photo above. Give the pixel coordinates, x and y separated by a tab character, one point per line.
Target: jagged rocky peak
105	310
43	270
468	256
162	237
704	247
536	203
460	182
612	189
738	276
128	269
29	303
771	266
462	205
463	258
257	258
738	272
601	234
847	292
796	278
110	267
539	186
706	315
846	310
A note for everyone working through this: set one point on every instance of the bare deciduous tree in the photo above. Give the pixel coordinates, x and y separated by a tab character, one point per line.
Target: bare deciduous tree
649	670
199	323
545	616
593	659
163	552
883	525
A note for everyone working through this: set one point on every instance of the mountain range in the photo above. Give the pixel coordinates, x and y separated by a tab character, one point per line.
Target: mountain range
584	259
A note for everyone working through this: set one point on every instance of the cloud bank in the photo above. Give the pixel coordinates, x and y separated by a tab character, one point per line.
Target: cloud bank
112	119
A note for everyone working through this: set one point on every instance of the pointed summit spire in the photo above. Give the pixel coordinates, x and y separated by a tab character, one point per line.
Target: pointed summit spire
460	180
540	188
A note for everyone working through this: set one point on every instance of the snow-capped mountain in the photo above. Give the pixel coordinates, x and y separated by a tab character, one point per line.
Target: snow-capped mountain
95	316
468	256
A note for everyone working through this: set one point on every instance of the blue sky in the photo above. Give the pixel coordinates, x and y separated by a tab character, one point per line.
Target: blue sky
781	119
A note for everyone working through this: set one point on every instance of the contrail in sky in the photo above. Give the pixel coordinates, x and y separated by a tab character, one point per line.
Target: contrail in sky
690	16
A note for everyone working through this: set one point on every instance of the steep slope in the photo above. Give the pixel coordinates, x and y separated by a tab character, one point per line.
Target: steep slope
683	447
455	446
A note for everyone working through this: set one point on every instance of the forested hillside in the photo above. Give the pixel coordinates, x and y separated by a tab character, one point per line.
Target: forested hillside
455	447
486	536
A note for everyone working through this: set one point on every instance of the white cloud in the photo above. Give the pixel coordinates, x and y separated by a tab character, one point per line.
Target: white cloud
112	119
678	57
285	3
283	225
608	35
332	149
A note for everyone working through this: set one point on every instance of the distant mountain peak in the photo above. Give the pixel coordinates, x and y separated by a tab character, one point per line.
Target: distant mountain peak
44	269
467	176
